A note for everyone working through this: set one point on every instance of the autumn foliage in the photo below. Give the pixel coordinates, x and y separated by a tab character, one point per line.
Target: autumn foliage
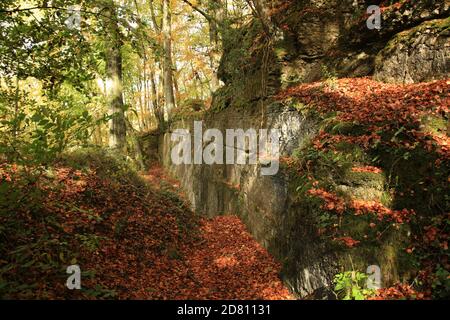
382	107
397	128
133	239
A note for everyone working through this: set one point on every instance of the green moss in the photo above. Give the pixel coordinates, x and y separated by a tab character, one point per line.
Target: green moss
408	36
281	53
345	128
352	153
367	179
418	183
386	199
387	254
434	124
441	24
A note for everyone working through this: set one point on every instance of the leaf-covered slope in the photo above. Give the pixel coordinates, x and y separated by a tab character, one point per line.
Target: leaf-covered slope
131	239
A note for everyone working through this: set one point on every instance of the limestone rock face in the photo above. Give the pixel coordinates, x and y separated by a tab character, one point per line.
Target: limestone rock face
269	205
263	203
416	55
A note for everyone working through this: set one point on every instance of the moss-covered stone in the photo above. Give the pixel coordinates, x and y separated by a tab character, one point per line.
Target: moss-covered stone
416	55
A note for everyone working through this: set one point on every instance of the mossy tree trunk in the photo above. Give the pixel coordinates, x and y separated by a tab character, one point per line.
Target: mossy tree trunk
117	123
169	96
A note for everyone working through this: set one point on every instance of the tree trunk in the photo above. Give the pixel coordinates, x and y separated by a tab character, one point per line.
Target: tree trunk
218	13
169	97
159	114
142	102
117	124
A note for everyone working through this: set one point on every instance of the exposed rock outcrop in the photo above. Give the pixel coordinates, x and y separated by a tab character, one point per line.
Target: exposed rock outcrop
416	55
264	203
331	38
269	205
311	40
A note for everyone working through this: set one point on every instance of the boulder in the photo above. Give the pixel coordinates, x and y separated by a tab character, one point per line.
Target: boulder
416	55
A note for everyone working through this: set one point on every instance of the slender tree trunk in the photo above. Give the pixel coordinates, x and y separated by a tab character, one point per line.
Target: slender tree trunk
98	139
145	109
144	99
217	12
117	124
157	106
175	84
169	97
16	108
141	97
159	114
148	101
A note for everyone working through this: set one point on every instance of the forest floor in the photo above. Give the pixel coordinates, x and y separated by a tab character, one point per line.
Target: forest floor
133	238
223	261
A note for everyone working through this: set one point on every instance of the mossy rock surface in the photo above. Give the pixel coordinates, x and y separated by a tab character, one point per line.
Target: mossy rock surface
417	55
